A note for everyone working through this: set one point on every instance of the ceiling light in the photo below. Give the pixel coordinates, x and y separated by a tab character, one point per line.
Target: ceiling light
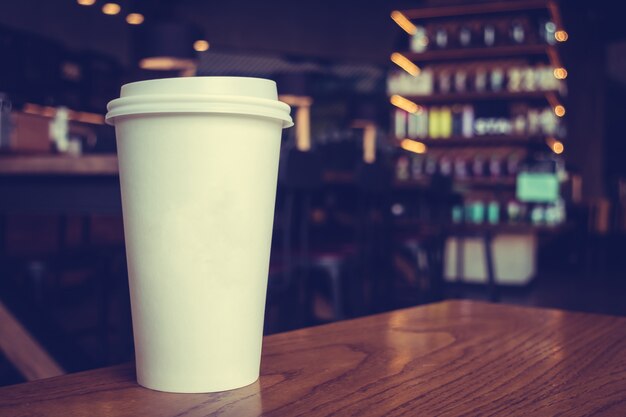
111	9
166	63
559	110
165	45
413	146
403	22
134	19
200	45
560	73
405	104
405	63
561	35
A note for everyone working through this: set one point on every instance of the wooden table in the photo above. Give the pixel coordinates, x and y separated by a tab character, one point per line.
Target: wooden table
50	164
448	359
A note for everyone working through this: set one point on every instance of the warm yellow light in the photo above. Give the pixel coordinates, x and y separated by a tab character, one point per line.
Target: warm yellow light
111	9
86	2
302	122
405	104
295	101
46	111
556	145
413	146
559	110
369	143
166	63
405	63
96	119
134	19
561	35
403	22
201	45
560	73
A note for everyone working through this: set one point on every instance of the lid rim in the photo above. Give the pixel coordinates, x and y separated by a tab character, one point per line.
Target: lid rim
237	95
196	103
207	108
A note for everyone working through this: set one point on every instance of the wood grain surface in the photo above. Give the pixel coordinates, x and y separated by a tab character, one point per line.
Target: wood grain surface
23	350
456	358
58	165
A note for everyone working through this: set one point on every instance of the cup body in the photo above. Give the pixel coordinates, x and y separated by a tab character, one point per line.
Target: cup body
198	193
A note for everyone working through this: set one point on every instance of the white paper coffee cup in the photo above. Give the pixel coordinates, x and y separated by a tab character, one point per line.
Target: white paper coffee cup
198	160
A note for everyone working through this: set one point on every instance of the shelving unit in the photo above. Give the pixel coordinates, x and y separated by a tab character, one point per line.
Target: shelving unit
485	141
493	105
548	52
486	8
550	97
473	182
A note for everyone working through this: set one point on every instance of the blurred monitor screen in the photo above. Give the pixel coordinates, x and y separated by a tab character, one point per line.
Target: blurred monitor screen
537	187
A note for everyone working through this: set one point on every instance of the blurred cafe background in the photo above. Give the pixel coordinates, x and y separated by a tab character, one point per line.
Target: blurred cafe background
441	149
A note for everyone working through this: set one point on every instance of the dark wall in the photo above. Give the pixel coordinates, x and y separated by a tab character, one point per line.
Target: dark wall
76	27
596	102
347	30
584	58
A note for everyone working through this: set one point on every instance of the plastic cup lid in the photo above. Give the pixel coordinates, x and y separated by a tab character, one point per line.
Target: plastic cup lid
234	95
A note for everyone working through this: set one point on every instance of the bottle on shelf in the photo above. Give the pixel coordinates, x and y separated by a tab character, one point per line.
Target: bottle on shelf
479	166
461	167
399	123
434	123
422	124
460	81
532	124
402	168
513	164
496	168
457	214
489	34
441	37
417	167
465	36
548	122
537	214
476	212
419	40
446	165
514	79
445	122
480	79
528	79
468	121
485	126
412	125
517	32
496	79
430	164
444	82
547	30
457	120
493	212
514	212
